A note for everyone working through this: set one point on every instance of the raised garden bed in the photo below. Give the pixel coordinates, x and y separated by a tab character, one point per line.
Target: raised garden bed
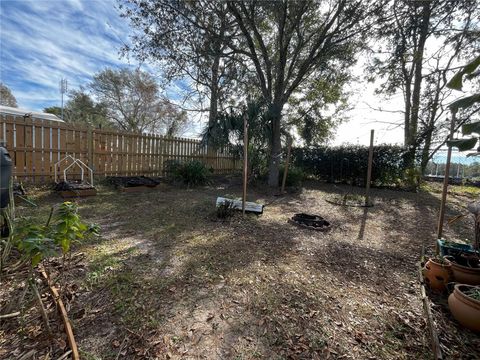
133	183
75	189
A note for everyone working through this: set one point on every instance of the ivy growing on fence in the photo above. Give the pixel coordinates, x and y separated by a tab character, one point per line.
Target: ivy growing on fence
349	163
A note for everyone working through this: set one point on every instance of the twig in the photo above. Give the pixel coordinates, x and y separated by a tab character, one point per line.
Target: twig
121	348
49	217
64	356
27	355
8	316
42	308
63	313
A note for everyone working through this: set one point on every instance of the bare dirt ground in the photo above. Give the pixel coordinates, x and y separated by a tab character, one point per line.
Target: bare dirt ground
168	280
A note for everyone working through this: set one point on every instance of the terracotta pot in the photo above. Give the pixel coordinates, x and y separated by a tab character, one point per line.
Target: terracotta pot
437	275
463	308
466	275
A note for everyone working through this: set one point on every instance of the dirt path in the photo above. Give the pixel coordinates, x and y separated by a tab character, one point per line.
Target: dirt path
168	280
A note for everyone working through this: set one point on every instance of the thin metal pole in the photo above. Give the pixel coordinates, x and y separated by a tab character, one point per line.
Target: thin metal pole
245	161
287	163
369	170
441	216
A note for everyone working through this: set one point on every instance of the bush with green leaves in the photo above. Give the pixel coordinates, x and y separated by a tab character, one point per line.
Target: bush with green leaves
39	241
295	176
349	163
191	173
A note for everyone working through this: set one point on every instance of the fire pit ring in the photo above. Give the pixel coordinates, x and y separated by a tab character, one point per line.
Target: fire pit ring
313	222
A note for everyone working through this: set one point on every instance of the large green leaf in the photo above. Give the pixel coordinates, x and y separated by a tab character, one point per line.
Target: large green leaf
463	144
468	129
456	82
465	102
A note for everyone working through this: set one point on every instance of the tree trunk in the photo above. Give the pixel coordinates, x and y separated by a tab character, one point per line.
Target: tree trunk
212	113
417	85
276	145
426	151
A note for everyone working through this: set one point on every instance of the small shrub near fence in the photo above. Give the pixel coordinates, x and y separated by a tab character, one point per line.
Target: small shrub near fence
190	173
349	164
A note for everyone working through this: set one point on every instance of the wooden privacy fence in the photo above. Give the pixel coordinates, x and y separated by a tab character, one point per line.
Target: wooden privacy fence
35	145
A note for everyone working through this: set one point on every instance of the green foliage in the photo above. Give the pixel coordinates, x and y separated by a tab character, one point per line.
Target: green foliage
349	163
191	173
33	241
295	176
68	227
37	242
456	83
474	293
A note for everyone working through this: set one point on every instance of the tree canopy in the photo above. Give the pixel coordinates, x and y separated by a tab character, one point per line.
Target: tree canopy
282	51
132	102
6	96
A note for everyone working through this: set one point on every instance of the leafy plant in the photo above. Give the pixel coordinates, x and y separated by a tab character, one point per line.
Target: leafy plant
473	293
191	173
68	227
469	71
36	242
295	176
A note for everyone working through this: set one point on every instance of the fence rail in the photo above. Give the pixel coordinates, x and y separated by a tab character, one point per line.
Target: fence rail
35	145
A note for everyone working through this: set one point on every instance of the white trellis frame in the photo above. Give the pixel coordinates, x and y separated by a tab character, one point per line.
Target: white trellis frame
75	162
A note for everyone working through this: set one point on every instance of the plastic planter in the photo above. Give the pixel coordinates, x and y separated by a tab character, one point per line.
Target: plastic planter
454	249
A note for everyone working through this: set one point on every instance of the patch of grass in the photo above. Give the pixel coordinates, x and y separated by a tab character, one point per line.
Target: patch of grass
105	261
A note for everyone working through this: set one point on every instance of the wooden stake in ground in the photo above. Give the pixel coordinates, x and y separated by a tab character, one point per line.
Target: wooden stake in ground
245	161
287	163
437	352
441	216
63	313
369	171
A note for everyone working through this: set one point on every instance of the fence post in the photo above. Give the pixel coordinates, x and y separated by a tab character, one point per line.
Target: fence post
369	171
91	164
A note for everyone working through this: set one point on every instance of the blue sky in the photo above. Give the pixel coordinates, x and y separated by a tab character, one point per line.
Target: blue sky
42	41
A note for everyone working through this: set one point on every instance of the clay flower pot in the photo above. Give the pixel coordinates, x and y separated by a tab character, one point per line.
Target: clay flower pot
465	274
464	308
437	275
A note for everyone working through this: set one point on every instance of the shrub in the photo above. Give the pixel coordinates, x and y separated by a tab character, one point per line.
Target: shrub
349	163
191	173
295	176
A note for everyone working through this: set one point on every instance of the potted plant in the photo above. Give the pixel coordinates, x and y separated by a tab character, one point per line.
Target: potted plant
437	273
466	265
453	248
464	304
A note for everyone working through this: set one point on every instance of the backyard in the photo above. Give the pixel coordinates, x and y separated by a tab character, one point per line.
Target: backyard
168	279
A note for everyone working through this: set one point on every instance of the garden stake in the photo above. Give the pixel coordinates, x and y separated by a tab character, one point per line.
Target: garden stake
445	184
285	171
63	313
369	170
245	161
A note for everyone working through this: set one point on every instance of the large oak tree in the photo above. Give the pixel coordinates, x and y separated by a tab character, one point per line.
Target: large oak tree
282	49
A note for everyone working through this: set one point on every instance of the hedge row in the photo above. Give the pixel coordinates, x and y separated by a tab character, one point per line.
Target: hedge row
349	163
